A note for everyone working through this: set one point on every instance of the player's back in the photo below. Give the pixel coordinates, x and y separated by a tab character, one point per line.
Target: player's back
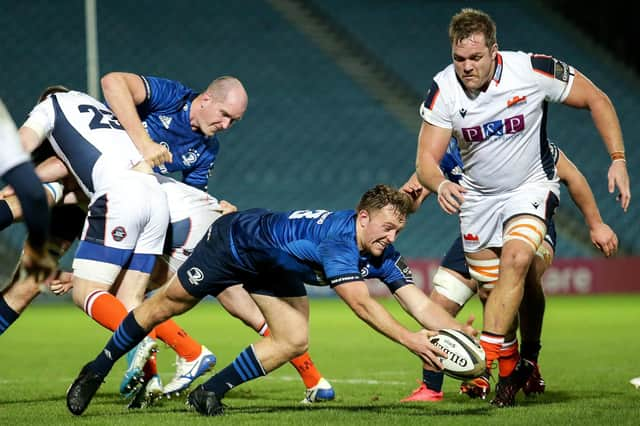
298	233
88	138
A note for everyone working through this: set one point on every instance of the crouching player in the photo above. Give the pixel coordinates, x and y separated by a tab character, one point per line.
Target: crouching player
274	254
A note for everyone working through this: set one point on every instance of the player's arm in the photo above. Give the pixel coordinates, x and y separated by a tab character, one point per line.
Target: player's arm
428	313
123	91
432	145
602	235
36	260
356	295
416	191
585	94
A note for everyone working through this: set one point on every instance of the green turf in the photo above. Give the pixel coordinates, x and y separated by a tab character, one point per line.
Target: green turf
590	351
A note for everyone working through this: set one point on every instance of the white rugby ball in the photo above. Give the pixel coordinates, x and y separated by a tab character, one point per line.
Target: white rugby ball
465	357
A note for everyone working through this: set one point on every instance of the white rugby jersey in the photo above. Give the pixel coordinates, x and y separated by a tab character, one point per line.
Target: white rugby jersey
502	132
12	152
86	136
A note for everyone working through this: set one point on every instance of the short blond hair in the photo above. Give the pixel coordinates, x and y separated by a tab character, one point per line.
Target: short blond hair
471	21
381	196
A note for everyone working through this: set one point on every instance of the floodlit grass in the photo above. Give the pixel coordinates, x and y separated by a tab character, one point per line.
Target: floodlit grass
590	351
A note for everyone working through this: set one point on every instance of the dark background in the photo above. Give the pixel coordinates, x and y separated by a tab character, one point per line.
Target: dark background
612	25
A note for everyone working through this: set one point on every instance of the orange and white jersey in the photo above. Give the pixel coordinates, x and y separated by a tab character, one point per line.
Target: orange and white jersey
501	132
85	135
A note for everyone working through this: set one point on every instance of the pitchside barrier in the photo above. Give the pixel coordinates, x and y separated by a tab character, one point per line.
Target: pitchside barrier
565	276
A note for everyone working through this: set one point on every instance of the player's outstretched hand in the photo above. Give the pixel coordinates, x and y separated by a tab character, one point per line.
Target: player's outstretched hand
468	326
603	238
62	284
427	351
618	177
450	196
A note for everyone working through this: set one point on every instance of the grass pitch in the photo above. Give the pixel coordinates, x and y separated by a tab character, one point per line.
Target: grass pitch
590	351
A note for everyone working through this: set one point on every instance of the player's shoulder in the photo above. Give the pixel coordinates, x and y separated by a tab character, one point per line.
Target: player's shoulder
446	76
166	91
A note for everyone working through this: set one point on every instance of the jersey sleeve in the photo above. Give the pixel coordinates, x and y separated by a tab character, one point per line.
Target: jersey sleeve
339	259
395	272
554	77
163	94
433	109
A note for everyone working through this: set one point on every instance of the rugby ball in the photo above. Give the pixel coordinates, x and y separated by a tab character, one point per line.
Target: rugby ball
465	357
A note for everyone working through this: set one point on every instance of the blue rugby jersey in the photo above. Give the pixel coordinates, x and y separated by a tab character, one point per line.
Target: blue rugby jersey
320	245
165	116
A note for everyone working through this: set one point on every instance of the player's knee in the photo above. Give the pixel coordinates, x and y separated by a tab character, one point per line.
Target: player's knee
293	344
517	261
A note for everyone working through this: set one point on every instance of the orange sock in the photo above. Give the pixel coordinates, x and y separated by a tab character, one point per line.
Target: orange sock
105	309
492	344
150	367
174	336
307	370
303	363
509	357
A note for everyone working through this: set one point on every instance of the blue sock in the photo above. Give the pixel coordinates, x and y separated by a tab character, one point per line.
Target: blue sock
126	337
7	315
6	217
433	379
244	368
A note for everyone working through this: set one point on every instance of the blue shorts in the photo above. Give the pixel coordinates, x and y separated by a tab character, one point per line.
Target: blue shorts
215	264
454	258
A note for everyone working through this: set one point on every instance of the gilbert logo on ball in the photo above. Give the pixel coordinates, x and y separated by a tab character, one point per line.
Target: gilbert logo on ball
465	357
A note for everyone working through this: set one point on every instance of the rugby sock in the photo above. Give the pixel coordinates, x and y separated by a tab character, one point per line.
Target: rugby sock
491	343
303	364
509	357
6	217
105	309
184	345
530	350
307	370
7	315
126	337
244	368
433	379
150	368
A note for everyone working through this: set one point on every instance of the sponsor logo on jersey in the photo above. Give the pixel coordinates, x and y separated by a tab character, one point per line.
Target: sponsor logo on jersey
471	237
119	233
404	269
364	271
509	125
535	204
463	112
166	121
190	157
195	275
561	71
516	100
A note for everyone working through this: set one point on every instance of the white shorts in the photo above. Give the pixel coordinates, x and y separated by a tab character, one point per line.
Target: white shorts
125	227
482	217
192	212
